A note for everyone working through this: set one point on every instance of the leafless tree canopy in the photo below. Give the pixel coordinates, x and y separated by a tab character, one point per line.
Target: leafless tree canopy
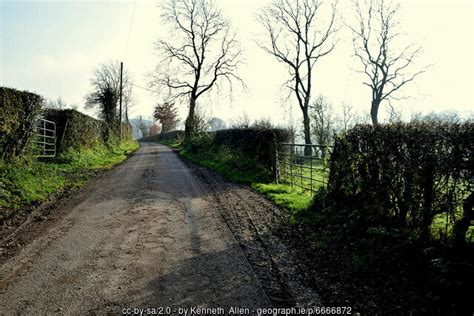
349	117
297	37
128	100
142	127
241	121
204	53
451	117
386	67
323	122
106	91
58	104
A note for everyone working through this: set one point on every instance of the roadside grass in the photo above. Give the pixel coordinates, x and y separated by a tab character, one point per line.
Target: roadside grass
442	227
235	170
239	170
293	198
305	176
31	181
374	267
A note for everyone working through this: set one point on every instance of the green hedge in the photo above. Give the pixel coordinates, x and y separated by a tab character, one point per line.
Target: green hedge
74	129
254	143
405	175
173	136
19	111
246	149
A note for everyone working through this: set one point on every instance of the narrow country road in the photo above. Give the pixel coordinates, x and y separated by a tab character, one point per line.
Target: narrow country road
153	233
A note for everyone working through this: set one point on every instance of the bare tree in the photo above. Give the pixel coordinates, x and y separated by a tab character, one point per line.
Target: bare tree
394	115
374	41
452	117
58	104
296	37
106	92
128	101
349	117
203	53
324	123
241	121
142	127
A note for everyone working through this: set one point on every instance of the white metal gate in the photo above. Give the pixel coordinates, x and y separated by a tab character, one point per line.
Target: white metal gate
45	138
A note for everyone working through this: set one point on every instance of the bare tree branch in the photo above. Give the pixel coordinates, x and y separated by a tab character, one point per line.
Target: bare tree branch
373	41
203	53
106	92
297	37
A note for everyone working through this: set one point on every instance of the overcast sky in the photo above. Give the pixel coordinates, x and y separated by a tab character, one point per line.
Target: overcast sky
52	48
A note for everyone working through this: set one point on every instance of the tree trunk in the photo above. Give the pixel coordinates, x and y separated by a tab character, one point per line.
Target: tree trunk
307	133
374	111
189	125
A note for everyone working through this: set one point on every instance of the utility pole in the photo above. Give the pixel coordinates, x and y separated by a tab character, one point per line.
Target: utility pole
120	108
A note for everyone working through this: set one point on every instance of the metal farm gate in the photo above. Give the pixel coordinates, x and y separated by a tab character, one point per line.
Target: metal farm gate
301	165
44	141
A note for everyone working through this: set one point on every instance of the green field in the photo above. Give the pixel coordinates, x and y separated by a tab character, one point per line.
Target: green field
307	176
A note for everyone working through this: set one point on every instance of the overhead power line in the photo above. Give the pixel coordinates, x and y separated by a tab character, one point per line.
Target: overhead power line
130	27
142	87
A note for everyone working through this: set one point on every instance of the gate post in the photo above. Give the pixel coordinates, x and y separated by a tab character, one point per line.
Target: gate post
275	161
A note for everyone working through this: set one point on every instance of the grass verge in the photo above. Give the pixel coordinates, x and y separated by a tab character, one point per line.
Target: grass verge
32	181
292	198
237	169
369	265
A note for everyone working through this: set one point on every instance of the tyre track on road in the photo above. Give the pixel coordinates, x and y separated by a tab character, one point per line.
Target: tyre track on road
144	234
252	219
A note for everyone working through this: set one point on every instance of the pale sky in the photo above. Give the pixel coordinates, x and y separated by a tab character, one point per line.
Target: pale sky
52	48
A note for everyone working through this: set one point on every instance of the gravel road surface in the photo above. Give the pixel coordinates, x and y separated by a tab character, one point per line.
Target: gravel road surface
155	232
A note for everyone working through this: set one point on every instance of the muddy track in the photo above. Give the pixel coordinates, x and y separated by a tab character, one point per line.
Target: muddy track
254	222
155	232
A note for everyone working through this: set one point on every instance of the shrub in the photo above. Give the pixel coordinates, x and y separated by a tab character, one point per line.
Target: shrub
255	143
372	224
74	129
242	155
19	111
173	136
402	175
200	142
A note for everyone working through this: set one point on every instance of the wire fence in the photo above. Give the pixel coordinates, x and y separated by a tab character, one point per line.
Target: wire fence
44	141
302	165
